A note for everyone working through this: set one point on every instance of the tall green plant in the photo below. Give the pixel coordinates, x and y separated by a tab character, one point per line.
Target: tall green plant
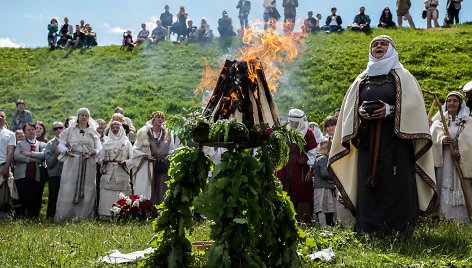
188	178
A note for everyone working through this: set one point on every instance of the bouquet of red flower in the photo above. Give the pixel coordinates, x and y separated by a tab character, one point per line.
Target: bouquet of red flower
133	207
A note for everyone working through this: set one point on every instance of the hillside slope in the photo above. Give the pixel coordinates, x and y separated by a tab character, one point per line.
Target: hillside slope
164	77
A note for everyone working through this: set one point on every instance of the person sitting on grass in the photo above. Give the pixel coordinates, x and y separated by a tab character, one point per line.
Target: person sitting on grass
128	40
158	34
204	33
77	39
90	37
52	33
142	35
61	43
386	20
361	21
333	22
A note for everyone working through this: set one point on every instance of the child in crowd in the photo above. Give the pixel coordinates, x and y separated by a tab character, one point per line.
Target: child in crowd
324	198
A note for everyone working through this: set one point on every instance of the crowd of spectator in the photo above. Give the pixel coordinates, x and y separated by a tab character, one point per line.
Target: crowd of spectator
65	37
185	30
86	164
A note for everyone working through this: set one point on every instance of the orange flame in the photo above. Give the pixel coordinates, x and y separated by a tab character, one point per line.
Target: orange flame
271	48
209	78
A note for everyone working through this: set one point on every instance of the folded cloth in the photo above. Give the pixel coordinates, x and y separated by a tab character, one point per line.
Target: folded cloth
326	254
116	256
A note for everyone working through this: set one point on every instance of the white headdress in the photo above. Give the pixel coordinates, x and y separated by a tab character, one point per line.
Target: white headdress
115	140
464	111
297	115
91	122
388	61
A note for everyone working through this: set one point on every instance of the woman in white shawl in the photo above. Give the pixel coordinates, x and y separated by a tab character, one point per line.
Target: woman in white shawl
150	159
451	195
79	146
380	158
116	156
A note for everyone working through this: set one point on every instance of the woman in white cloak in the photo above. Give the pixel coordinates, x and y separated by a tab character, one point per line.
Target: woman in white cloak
452	203
153	145
79	146
116	156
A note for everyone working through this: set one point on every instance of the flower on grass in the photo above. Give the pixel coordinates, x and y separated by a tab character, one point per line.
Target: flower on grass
133	207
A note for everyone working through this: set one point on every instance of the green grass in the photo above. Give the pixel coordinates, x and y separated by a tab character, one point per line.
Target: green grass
27	244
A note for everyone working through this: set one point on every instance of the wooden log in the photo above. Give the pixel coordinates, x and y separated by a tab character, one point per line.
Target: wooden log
264	104
270	100
255	111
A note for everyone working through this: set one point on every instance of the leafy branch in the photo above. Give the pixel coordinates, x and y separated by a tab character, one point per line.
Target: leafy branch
188	178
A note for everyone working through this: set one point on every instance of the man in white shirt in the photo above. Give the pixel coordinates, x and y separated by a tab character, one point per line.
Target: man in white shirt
7	147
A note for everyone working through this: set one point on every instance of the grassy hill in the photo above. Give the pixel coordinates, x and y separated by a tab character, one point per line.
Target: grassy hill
164	77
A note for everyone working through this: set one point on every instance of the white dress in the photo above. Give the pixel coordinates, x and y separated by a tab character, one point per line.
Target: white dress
70	205
116	180
452	202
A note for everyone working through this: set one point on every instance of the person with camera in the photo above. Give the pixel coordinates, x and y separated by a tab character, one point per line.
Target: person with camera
381	157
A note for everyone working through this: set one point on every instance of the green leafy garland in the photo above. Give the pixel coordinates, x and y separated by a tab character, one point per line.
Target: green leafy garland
188	178
223	129
254	220
231	202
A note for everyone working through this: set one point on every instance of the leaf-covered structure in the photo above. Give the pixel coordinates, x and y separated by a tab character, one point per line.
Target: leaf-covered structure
188	178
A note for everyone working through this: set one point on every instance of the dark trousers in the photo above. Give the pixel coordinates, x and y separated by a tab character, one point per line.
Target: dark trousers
243	21
454	15
54	184
29	198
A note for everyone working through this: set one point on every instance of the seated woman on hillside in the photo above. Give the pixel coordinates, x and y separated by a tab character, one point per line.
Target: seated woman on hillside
386	20
451	195
142	35
52	33
61	43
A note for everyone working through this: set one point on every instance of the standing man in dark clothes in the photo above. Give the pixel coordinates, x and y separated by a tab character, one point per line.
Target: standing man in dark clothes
290	10
244	9
225	28
166	18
